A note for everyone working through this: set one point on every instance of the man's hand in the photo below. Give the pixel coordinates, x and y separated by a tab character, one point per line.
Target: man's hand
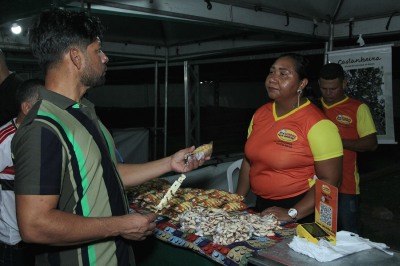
138	226
180	164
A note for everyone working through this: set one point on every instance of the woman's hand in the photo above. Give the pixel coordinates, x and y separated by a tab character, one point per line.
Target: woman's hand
280	213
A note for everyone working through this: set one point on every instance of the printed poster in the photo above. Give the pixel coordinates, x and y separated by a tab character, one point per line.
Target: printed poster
369	74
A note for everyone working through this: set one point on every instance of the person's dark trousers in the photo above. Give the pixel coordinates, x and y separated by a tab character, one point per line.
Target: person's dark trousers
348	213
16	255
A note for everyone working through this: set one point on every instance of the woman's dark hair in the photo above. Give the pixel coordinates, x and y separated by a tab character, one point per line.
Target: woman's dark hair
301	64
56	30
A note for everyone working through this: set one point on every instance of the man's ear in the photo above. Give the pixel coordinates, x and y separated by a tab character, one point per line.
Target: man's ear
25	107
75	57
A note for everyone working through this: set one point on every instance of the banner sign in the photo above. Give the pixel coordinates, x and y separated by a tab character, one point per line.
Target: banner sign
369	74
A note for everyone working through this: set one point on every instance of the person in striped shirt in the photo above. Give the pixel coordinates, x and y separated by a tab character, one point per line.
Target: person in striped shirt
70	190
13	251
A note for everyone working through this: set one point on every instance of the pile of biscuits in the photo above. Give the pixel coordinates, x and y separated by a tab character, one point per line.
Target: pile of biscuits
148	196
226	228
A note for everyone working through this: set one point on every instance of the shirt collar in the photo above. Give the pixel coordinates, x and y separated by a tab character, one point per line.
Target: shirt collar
61	101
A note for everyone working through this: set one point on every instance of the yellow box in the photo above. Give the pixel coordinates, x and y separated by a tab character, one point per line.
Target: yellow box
325	225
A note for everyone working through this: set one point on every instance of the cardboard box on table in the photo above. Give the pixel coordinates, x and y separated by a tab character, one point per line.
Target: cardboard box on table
326	206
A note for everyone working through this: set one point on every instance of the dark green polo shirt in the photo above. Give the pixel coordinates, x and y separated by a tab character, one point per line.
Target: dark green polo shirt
63	149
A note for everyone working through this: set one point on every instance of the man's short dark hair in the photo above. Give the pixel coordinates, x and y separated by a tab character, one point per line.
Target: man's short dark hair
332	71
56	30
28	90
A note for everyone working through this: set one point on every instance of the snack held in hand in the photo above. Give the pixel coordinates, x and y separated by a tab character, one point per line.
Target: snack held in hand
199	153
203	151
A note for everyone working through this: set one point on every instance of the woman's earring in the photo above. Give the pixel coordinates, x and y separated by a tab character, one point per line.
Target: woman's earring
299	91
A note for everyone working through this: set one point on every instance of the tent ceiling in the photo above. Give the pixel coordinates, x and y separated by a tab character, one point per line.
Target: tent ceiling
140	30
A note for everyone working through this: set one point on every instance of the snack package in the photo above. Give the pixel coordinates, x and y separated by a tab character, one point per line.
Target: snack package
203	151
199	153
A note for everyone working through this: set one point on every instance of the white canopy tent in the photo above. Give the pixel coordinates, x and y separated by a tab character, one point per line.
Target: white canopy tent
182	29
160	33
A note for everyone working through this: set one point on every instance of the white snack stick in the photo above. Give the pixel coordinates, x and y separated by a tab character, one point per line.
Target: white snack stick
170	193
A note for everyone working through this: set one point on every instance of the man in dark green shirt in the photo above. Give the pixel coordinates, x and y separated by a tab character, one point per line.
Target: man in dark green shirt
69	187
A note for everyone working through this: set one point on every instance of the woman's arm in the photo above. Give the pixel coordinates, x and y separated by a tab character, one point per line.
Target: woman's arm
244	181
329	171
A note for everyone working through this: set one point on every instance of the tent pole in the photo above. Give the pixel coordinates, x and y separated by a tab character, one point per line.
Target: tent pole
326	53
155	110
329	44
166	103
187	107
